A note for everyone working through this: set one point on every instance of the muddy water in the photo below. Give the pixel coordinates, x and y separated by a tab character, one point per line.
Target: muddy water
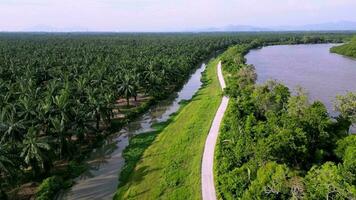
106	162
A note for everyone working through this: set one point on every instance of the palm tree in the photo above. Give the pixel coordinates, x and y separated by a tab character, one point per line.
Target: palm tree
136	78
152	80
10	127
127	87
95	104
8	168
34	150
6	164
26	106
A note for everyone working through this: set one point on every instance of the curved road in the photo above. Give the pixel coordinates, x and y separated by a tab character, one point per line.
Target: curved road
207	172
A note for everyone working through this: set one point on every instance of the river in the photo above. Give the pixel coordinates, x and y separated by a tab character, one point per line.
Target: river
321	73
106	162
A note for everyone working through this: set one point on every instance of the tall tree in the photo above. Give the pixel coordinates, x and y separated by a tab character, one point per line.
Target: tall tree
346	105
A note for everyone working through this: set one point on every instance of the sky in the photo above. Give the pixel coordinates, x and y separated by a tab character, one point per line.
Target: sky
167	15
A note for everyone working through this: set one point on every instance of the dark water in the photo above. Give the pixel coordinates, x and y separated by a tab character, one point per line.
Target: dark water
106	162
321	73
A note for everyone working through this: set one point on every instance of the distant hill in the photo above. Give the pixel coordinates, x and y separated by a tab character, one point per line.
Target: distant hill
332	26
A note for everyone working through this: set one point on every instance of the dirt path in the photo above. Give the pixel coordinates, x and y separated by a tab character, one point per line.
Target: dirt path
207	172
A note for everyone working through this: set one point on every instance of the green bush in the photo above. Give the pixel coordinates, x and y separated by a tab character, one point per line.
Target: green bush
75	169
49	188
272	182
326	182
343	144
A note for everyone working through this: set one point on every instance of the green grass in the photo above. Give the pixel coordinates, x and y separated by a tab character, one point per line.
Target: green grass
348	49
170	167
134	151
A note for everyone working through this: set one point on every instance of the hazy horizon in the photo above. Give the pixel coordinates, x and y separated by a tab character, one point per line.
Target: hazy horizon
168	15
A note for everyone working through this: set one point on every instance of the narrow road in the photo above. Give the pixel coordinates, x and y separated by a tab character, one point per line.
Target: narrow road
207	172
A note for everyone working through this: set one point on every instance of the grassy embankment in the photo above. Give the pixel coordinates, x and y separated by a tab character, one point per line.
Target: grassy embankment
170	167
348	49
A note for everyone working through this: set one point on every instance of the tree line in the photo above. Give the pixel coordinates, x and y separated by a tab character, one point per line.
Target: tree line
274	145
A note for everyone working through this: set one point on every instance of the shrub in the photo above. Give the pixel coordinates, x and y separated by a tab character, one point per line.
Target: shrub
49	187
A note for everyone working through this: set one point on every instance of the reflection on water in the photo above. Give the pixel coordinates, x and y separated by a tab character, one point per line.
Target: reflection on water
105	163
323	74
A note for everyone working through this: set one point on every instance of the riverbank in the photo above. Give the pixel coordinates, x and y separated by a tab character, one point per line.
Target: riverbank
322	74
106	162
171	166
348	49
275	145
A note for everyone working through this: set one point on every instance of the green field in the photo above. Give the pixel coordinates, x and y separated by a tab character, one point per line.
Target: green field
170	167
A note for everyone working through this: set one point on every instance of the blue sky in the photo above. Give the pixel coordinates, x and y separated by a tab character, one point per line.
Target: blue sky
167	15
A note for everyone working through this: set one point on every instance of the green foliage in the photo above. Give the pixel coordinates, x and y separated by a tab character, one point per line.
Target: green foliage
346	105
170	167
326	182
234	182
343	144
74	169
270	141
272	182
49	188
271	97
346	151
59	92
133	153
5	160
34	149
349	163
348	49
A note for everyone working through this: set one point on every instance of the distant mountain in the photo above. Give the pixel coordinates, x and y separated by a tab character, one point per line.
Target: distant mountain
332	26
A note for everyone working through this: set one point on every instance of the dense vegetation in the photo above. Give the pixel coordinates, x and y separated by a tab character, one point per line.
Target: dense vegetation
60	92
170	167
274	145
348	49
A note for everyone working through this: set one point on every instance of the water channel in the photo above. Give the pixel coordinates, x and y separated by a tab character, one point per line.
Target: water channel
106	162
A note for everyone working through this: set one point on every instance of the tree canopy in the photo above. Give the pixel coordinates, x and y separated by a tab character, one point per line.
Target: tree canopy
274	145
